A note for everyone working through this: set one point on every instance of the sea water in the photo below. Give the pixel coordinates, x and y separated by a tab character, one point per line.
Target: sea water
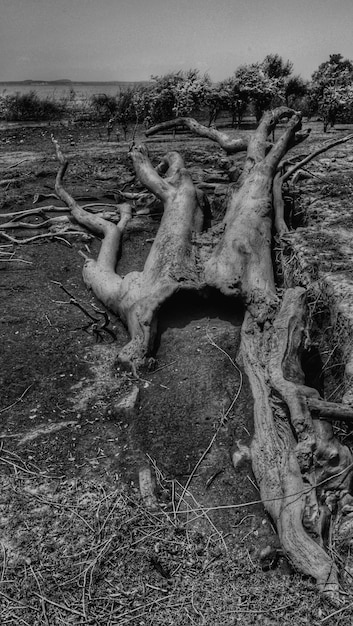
58	90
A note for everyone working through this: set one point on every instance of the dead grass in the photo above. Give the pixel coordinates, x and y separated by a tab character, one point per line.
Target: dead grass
82	552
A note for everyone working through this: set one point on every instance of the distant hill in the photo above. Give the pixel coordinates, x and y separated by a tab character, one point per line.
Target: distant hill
61	80
46	82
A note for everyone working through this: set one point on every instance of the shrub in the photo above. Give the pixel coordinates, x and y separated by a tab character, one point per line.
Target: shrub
29	107
103	107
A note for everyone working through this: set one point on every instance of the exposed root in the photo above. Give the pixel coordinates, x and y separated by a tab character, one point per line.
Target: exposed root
278	472
289	449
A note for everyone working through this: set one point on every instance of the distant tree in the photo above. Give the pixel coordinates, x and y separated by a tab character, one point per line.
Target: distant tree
227	96
336	71
217	100
177	94
72	95
162	99
125	113
274	66
331	89
295	88
115	110
103	106
263	83
141	102
257	87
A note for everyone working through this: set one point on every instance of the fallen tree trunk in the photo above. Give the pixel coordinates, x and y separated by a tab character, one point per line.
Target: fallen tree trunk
301	469
275	461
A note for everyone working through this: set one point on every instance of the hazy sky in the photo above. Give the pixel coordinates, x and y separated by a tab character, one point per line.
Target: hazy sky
102	40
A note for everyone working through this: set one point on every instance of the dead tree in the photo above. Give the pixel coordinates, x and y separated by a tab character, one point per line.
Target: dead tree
301	469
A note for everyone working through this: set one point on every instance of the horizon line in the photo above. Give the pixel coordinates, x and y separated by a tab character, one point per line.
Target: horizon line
69	80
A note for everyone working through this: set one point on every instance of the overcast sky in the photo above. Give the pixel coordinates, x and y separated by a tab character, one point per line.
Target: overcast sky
102	40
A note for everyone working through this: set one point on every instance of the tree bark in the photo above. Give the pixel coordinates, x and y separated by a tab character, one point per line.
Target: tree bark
331	411
275	448
301	469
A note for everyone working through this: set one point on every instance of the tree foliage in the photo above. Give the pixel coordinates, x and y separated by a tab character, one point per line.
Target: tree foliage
275	68
332	89
125	113
169	96
177	94
294	90
103	106
262	85
227	96
253	87
258	87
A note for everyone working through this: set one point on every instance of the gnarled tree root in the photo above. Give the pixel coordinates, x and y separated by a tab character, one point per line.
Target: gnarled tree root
287	448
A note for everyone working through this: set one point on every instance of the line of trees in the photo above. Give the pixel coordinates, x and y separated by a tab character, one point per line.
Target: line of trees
252	88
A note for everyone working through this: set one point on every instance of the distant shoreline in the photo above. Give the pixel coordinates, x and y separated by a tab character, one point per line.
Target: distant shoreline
59	89
73	82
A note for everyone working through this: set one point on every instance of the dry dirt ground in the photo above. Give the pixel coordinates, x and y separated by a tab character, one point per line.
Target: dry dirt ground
78	543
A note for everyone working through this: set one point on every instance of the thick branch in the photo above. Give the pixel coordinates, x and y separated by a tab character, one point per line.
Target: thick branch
170	165
241	264
332	411
171	264
230	146
285	370
258	144
276	467
95	224
299	137
147	174
283	143
100	275
278	205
